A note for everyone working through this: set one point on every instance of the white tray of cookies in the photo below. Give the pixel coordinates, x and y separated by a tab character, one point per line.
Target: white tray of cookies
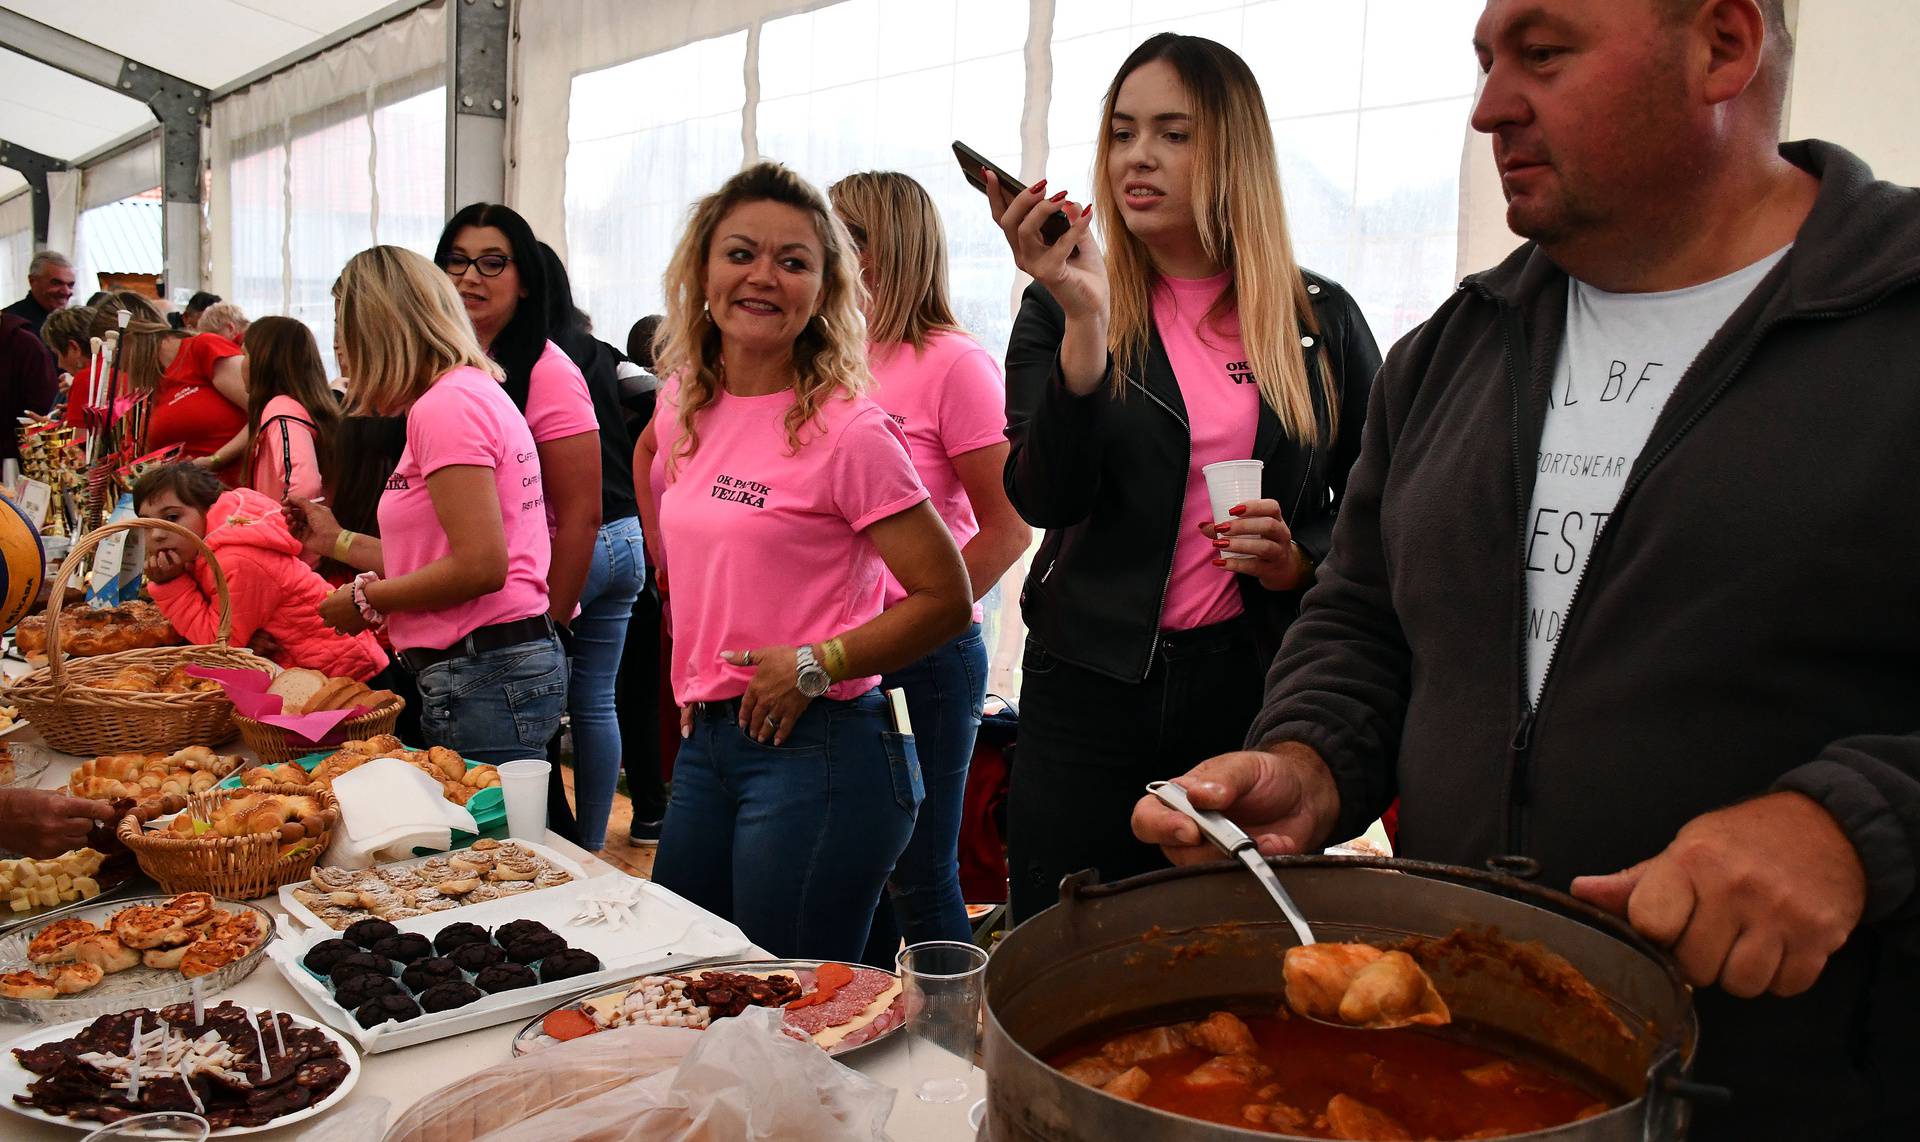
514	975
486	875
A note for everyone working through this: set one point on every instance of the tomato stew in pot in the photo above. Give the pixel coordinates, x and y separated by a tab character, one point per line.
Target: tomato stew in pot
1257	1069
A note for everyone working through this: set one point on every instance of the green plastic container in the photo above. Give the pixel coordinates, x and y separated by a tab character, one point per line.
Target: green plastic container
489	806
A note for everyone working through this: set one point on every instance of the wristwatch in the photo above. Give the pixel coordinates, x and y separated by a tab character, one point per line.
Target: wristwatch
813	679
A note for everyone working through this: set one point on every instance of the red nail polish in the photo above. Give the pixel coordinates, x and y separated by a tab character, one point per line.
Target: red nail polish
1222	543
1219	563
1058	197
1237	509
1038	187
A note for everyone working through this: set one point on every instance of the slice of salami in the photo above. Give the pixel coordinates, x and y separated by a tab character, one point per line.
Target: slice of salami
855	997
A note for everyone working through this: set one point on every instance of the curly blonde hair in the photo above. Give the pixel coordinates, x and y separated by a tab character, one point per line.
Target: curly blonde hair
829	356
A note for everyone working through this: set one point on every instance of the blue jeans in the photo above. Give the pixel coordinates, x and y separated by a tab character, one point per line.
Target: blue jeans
945	691
599	637
792	843
499	705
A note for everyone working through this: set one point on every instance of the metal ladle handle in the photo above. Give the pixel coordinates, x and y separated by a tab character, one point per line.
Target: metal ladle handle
1234	841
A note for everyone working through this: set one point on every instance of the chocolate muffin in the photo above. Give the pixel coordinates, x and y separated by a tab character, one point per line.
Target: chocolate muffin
456	935
397	1008
322	956
515	930
533	946
356	990
449	995
422	974
504	977
476	957
567	963
406	947
359	963
366	933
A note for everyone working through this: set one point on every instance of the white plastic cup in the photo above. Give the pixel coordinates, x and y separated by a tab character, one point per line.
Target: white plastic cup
944	982
1231	483
523	786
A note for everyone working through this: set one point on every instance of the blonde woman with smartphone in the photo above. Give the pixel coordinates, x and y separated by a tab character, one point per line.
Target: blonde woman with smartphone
1192	338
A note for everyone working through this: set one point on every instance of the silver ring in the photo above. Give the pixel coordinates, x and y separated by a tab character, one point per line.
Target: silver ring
746	658
773	723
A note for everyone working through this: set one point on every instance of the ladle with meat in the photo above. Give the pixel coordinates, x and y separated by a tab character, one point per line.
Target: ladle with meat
1340	984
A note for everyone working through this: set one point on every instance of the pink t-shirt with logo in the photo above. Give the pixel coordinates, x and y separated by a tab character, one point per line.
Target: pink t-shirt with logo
1223	408
465	418
766	545
950	398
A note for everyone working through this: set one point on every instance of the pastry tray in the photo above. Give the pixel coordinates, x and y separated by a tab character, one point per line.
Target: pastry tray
505	907
668	932
136	986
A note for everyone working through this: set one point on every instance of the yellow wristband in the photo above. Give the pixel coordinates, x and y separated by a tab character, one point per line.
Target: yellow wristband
833	657
342	545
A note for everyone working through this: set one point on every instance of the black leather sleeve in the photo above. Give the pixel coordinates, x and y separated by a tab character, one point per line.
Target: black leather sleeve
1053	465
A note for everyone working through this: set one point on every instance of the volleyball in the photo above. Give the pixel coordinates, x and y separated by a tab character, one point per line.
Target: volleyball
23	564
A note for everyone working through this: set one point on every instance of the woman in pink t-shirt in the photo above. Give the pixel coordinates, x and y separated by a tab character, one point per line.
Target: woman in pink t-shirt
947	394
1194	338
789	498
458	574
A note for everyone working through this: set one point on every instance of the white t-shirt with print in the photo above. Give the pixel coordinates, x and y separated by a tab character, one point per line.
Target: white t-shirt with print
1622	356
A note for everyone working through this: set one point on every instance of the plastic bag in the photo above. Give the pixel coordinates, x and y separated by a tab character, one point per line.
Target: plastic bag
742	1079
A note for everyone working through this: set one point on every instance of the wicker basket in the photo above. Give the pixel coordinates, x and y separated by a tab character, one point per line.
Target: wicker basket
238	868
79	719
273	745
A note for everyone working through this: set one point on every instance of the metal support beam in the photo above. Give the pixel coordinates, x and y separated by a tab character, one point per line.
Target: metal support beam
479	36
33	166
180	106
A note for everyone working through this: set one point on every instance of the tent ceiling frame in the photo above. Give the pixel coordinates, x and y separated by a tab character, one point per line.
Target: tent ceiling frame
180	106
34	167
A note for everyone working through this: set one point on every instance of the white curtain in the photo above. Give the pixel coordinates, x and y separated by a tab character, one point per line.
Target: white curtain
16	244
318	162
626	114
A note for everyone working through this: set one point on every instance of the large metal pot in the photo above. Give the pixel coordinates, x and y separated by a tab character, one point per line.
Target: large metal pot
1187	936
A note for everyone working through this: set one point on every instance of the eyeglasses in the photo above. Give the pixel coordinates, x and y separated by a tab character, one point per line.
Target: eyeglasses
489	265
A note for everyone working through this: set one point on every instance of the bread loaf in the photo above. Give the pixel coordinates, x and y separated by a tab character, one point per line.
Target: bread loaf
297	688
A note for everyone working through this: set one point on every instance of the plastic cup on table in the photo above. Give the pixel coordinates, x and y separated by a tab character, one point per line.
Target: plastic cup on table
944	983
172	1125
523	787
1231	483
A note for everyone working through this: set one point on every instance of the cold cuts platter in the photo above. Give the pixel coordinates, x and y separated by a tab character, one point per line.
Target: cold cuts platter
841	1007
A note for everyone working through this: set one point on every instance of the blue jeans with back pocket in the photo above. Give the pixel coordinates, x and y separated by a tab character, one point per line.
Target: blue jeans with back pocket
498	705
793	843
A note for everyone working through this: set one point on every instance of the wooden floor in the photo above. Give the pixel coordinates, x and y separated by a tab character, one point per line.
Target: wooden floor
636	860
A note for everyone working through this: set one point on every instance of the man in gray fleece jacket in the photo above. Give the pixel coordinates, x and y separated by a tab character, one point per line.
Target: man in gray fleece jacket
1623	592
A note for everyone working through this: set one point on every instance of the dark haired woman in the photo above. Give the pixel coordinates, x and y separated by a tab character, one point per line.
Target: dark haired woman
491	254
1194	339
291	413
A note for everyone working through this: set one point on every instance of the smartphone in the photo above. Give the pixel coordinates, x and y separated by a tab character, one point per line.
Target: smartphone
974	165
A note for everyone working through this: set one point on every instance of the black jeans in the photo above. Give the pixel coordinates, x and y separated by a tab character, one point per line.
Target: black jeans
1089	744
637	700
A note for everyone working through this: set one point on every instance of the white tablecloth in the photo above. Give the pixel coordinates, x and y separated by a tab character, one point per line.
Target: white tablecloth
403	1076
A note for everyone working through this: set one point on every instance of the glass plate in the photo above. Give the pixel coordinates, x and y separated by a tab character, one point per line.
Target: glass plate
140	986
532	1038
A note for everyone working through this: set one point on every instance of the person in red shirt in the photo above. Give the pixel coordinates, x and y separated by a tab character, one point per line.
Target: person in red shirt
199	394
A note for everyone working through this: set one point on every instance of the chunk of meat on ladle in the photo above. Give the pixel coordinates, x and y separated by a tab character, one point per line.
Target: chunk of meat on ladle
1361	986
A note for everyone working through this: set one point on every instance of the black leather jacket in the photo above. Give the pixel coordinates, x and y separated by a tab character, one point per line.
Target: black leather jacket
1106	477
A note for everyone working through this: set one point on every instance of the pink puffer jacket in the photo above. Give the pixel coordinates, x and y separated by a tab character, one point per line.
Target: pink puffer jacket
273	591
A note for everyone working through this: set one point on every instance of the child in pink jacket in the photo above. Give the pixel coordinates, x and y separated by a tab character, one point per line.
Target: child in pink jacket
274	592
